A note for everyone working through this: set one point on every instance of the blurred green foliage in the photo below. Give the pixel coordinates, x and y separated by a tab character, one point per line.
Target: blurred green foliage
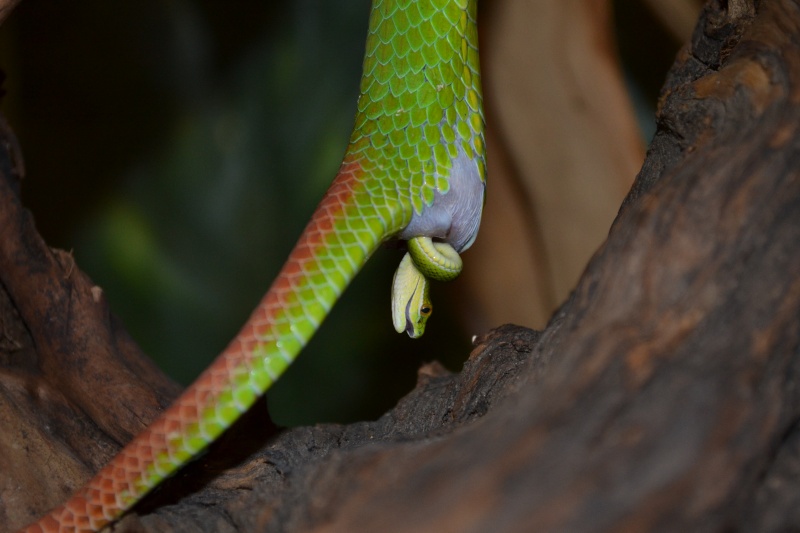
179	147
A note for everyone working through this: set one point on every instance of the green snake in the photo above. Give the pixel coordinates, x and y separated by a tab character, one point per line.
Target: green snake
414	171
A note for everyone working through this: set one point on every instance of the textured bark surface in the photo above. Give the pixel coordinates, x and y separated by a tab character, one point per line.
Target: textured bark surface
73	385
662	396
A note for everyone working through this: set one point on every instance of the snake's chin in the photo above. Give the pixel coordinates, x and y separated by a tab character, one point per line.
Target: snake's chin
454	217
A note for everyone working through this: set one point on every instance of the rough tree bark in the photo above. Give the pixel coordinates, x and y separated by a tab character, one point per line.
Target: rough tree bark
662	396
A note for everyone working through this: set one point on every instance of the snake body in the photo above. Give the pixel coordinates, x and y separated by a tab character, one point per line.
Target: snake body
414	168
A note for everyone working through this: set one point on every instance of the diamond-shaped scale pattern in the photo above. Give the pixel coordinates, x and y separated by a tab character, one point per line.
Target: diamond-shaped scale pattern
421	62
420	106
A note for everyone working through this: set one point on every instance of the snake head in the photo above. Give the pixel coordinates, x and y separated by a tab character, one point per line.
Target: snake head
411	305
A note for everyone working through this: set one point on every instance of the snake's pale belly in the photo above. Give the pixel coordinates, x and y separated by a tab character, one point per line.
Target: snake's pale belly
414	168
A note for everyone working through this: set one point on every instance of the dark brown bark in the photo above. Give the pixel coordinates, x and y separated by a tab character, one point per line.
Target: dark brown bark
662	396
73	386
6	7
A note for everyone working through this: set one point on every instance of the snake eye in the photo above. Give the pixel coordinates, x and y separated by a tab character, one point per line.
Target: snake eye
425	311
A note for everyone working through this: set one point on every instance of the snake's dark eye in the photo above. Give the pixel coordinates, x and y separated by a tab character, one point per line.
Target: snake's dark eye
425	311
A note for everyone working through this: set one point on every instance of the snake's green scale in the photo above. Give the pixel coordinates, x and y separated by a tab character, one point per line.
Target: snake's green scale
414	168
